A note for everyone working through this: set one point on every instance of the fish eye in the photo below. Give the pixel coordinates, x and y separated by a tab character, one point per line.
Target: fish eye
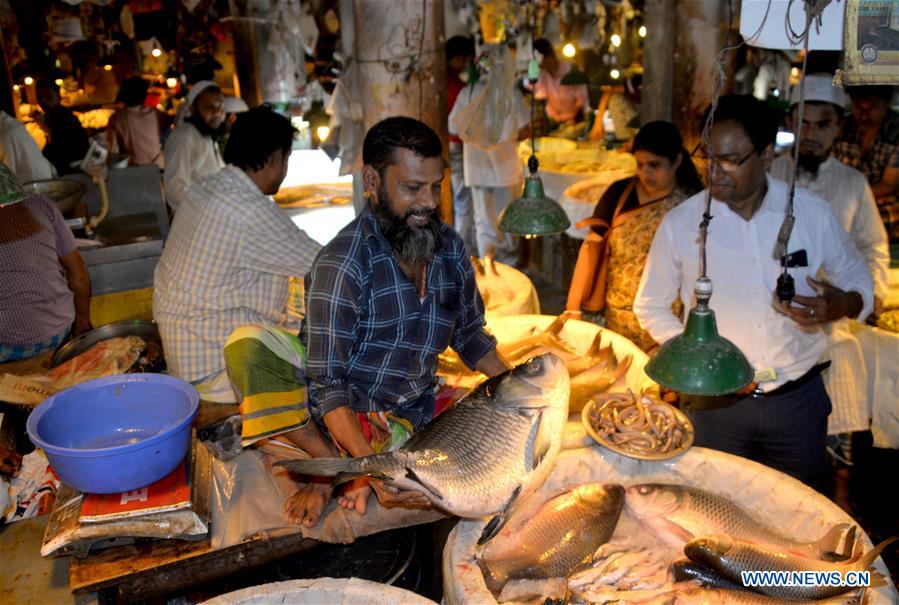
645	489
533	366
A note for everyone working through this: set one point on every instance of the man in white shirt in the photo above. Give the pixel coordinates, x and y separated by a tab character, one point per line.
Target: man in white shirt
494	173
781	420
852	201
564	103
192	151
20	152
229	256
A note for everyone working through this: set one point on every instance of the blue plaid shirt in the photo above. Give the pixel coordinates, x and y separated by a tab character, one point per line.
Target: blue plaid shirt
371	343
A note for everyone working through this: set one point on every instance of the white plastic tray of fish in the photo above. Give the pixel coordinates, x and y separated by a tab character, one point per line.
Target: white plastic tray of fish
633	565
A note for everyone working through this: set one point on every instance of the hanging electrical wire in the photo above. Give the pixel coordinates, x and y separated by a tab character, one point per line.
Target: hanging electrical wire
813	9
705	140
786	286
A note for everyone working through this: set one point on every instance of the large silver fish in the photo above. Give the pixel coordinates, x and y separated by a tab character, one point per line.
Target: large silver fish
557	540
497	443
678	513
731	557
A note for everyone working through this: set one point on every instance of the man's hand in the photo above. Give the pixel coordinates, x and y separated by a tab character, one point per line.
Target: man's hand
82	324
829	305
10	462
492	364
355	496
391	497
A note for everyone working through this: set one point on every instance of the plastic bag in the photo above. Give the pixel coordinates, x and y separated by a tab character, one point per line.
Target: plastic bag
490	118
223	438
33	491
245	500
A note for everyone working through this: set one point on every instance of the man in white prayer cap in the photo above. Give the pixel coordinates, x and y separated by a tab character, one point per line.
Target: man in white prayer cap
847	192
192	150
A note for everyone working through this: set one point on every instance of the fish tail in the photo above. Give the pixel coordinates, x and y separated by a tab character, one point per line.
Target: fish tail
830	542
623	366
868	559
342	469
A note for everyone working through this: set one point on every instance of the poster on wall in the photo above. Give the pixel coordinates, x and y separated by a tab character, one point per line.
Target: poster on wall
871	43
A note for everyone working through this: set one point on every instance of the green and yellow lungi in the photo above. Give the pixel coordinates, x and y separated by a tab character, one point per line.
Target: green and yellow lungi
265	365
266	368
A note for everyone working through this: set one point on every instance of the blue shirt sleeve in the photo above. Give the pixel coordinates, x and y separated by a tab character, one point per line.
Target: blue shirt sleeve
333	299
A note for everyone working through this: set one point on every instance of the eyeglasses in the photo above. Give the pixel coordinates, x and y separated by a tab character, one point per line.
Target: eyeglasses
727	165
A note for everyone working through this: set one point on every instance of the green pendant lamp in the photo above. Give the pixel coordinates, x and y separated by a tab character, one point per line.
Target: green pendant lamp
699	361
10	189
533	213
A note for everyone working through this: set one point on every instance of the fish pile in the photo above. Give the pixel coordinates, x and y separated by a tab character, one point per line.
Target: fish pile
498	443
639	426
565	550
593	372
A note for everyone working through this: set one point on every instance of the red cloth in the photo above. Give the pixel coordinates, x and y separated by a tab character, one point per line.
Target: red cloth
454	86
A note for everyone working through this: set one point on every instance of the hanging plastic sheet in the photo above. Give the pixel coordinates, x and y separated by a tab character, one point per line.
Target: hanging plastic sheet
348	115
490	118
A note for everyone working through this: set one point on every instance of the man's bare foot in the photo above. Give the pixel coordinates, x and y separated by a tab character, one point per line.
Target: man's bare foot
307	505
355	496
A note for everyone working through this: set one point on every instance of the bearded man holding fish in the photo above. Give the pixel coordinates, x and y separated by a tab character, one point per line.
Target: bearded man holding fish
781	419
392	290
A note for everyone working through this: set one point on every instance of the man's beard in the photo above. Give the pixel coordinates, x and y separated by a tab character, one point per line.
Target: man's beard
415	246
811	163
206	130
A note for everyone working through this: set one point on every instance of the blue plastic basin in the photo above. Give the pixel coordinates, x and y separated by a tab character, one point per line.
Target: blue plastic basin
116	434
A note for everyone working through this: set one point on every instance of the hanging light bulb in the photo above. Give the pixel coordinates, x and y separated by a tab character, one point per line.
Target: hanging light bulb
615	74
171	82
58	81
16	87
28	80
569	50
156	52
616	40
642	31
323	132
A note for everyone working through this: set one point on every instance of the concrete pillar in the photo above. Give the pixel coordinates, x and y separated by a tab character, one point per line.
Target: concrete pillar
402	70
267	52
701	30
660	19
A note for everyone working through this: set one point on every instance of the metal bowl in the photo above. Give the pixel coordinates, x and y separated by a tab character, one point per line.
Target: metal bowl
64	192
145	329
618	449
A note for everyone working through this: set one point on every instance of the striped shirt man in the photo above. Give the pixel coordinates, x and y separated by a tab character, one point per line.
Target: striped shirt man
227	263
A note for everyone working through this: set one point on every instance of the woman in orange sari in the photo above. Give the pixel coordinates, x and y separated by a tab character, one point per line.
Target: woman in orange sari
628	214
